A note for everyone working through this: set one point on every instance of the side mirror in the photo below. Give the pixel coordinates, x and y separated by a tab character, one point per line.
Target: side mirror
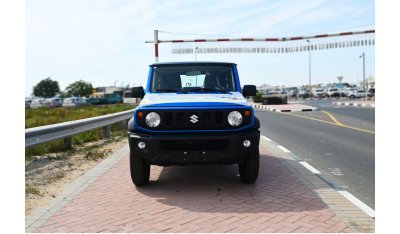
137	92
249	90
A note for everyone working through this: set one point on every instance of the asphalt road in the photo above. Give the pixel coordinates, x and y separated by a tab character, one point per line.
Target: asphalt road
337	141
353	115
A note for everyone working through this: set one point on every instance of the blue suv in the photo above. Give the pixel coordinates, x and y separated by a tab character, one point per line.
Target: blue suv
193	113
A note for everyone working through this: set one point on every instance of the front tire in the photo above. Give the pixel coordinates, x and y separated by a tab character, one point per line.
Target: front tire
140	170
248	169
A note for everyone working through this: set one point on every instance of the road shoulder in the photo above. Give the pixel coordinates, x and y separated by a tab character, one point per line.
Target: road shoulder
358	220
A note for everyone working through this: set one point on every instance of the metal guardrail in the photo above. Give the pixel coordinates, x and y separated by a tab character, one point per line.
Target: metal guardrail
43	134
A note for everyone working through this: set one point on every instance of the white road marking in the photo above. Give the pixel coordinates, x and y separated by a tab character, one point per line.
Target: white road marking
310	168
358	203
283	149
362	206
266	138
335	171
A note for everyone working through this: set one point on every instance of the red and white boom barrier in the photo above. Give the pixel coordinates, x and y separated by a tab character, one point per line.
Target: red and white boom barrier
269	45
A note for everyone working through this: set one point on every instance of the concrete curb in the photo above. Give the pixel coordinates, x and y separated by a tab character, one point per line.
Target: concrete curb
268	108
354	104
35	220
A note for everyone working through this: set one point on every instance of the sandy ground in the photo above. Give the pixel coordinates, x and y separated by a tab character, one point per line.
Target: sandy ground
47	176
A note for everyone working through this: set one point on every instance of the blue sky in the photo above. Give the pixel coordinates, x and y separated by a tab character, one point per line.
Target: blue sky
102	41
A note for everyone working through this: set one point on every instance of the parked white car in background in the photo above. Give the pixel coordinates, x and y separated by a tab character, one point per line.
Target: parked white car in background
333	92
53	102
37	102
28	102
347	91
74	102
358	94
319	93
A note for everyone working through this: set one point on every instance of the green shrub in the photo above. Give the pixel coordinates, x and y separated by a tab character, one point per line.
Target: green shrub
92	135
50	147
32	190
45	116
258	97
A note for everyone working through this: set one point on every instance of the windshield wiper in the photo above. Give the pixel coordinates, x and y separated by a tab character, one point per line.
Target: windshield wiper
168	90
207	90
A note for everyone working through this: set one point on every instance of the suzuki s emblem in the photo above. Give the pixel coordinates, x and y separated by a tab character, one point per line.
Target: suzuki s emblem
194	119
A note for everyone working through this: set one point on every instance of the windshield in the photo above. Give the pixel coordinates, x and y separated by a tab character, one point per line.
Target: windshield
185	79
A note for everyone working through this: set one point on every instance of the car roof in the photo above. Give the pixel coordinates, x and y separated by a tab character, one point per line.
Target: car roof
190	63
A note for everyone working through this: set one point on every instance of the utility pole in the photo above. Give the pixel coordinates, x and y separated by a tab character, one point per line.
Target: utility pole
340	78
365	87
309	65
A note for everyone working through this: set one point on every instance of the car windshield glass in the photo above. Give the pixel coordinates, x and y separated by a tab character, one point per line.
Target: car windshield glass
193	78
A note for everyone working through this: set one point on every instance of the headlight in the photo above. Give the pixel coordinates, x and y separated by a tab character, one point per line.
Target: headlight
153	119
235	118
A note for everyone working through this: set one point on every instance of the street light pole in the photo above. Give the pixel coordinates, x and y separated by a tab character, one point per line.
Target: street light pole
309	65
340	78
365	87
195	53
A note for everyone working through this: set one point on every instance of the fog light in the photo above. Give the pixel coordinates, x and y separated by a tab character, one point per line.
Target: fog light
246	143
141	145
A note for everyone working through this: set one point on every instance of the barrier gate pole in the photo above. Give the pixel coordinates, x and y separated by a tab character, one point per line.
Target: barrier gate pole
156	45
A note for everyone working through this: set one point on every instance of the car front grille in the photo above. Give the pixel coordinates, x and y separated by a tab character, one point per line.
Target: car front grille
193	119
193	145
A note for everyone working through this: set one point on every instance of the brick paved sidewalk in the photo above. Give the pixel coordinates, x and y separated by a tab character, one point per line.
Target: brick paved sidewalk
198	199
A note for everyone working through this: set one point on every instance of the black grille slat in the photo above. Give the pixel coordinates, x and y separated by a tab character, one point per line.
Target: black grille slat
168	118
181	118
193	145
206	118
185	120
219	117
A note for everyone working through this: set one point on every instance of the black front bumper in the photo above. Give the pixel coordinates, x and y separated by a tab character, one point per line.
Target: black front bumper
194	148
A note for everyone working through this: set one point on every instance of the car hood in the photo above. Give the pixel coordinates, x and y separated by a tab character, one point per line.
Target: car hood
193	100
